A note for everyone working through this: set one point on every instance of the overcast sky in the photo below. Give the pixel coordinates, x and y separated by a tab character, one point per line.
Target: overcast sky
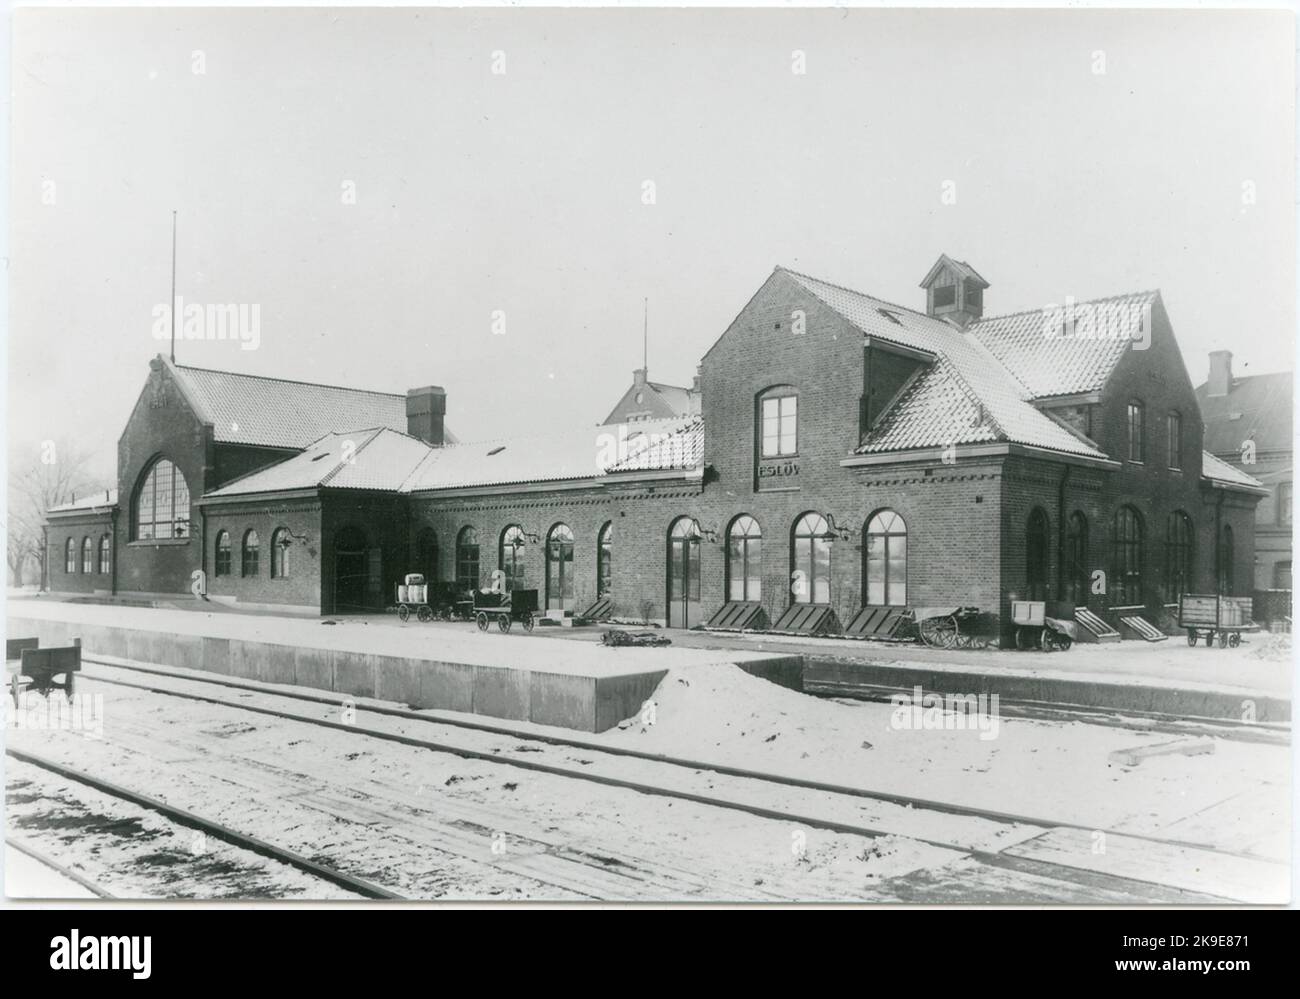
523	191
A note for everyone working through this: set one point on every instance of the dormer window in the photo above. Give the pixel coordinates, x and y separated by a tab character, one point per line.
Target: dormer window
974	295
945	295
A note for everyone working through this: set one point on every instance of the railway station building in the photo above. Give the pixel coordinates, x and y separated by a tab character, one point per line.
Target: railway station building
840	459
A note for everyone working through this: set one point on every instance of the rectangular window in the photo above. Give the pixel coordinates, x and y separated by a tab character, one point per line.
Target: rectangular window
945	295
1175	442
1136	450
780	418
974	296
1284	504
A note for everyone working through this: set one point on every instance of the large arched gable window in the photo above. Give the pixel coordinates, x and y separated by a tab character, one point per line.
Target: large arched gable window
885	560
605	560
105	555
810	573
1178	556
1036	532
1126	558
467	567
744	559
251	554
161	504
510	557
221	564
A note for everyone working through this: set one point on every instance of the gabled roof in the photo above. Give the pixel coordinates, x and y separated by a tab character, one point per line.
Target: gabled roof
276	412
960	266
1220	472
965	396
662	448
1049	360
1257	407
104	499
662	401
376	458
382	459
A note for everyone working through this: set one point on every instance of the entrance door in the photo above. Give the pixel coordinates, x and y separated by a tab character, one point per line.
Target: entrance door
559	569
352	571
684	574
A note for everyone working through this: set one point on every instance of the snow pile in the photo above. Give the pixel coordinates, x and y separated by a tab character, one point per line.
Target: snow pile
1275	648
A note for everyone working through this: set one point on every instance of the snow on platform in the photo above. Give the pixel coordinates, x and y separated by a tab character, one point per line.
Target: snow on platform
452	667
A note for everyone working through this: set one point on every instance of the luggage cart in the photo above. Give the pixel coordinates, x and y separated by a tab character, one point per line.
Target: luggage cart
1035	630
504	608
1205	615
413	595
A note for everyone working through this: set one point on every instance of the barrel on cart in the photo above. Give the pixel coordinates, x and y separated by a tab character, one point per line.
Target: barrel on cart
413	595
504	608
1204	615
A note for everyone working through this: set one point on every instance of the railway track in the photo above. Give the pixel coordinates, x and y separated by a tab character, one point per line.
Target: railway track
193	821
1021	827
910	802
60	871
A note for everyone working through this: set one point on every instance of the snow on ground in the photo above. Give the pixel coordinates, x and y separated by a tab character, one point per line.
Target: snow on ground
1053	770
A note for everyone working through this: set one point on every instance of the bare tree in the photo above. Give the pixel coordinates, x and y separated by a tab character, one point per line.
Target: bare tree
54	474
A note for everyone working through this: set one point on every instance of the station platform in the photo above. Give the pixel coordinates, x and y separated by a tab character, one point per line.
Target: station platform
577	685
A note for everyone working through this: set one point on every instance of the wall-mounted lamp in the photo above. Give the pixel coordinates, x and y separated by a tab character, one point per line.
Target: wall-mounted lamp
287	537
835	531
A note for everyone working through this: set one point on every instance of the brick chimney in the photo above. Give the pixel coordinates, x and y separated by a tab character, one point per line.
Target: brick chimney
639	377
1220	373
425	409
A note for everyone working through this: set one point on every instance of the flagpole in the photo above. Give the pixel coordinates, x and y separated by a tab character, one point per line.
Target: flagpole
172	308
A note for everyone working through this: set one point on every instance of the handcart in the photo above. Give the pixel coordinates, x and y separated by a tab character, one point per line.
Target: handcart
413	595
1035	630
38	667
940	627
504	608
1204	615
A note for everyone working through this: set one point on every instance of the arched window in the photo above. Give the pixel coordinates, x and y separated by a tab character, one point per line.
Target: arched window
1227	552
467	559
1036	555
1126	558
250	554
510	557
69	556
684	573
280	553
559	568
161	504
1136	431
744	560
811	572
105	555
426	553
885	561
221	564
605	560
87	557
1076	560
1178	556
